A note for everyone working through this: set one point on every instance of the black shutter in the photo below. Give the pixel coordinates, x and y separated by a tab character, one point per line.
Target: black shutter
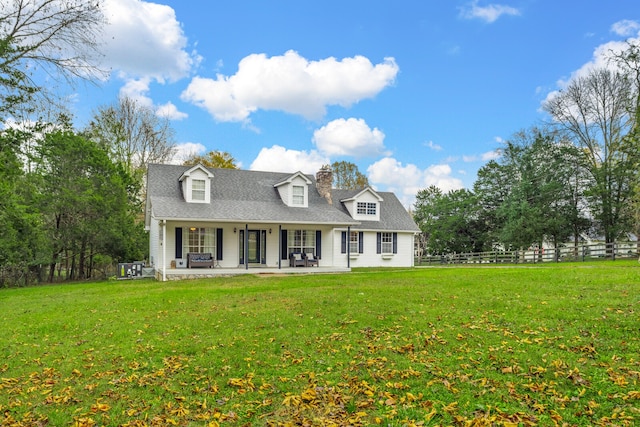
219	244
318	244
343	246
178	242
283	245
378	243
242	243
360	242
395	243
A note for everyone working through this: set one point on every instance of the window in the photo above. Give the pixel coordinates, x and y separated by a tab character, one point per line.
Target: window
303	241
198	187
298	195
354	242
366	208
201	240
387	243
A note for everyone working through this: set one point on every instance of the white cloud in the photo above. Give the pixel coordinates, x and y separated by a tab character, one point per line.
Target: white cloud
433	146
280	159
185	150
170	111
146	40
603	53
406	180
350	137
601	58
290	83
489	13
490	155
142	43
138	89
484	157
626	28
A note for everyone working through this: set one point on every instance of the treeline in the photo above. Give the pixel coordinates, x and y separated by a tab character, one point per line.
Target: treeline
68	209
71	201
552	184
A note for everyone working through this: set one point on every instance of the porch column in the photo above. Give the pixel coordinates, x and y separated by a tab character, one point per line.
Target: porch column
164	252
280	247
348	246
246	246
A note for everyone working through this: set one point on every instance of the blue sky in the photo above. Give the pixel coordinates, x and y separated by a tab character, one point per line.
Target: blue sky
416	93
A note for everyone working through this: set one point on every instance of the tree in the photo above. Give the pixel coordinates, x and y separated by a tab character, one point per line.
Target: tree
346	176
425	212
83	199
594	113
22	243
492	187
60	37
213	159
629	62
133	134
449	221
546	194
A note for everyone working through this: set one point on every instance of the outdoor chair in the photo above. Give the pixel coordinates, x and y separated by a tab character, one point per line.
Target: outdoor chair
310	260
296	260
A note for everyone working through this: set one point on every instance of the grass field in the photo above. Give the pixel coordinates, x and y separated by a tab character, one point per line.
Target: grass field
535	345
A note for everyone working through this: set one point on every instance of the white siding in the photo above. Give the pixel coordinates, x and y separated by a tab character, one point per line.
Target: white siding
154	243
330	246
369	257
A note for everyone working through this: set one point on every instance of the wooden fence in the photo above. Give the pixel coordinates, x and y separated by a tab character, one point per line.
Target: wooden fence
586	252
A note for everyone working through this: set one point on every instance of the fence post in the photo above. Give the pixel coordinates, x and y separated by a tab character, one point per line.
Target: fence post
613	251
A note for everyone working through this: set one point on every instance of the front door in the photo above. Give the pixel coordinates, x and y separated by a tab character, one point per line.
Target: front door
256	247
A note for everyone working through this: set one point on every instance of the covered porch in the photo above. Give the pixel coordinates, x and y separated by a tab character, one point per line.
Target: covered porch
191	249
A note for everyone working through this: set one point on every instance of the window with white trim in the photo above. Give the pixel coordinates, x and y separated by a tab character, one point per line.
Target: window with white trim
302	241
386	242
366	208
200	240
298	195
354	242
198	187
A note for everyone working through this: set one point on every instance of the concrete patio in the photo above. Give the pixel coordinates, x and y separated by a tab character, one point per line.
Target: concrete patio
201	273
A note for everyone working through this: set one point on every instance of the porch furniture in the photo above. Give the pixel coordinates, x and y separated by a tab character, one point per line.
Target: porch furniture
200	260
297	260
310	260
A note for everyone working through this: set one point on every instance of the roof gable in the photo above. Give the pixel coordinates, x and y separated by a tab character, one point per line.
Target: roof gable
292	178
365	191
199	167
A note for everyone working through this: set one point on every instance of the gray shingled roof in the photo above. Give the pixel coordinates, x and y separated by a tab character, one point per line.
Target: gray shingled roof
393	216
250	196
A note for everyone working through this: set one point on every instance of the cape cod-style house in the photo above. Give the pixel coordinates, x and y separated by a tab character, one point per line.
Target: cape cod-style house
239	219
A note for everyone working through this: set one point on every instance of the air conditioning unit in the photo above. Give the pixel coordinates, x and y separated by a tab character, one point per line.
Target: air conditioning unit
181	263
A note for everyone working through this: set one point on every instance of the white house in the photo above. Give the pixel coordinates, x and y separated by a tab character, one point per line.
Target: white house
229	218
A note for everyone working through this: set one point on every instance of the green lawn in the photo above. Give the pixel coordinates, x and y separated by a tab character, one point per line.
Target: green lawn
533	345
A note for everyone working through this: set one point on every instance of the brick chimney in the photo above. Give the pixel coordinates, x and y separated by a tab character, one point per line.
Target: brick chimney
324	181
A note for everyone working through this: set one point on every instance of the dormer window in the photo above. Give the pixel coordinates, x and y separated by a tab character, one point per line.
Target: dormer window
196	185
367	208
198	188
364	206
294	191
298	195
